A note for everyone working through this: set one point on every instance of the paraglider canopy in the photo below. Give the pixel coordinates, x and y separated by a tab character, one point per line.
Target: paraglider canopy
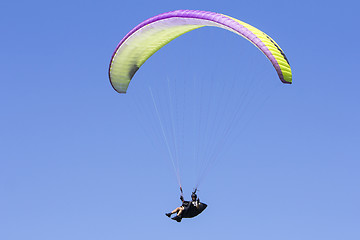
151	35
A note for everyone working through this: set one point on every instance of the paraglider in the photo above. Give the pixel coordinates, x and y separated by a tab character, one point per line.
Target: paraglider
154	33
188	209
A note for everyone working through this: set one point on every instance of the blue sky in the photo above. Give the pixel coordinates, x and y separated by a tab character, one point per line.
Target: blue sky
77	162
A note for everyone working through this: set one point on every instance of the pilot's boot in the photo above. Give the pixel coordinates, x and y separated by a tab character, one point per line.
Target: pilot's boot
177	218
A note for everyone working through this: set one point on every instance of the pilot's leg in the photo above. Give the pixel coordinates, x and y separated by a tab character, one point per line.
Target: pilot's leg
180	210
177	210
